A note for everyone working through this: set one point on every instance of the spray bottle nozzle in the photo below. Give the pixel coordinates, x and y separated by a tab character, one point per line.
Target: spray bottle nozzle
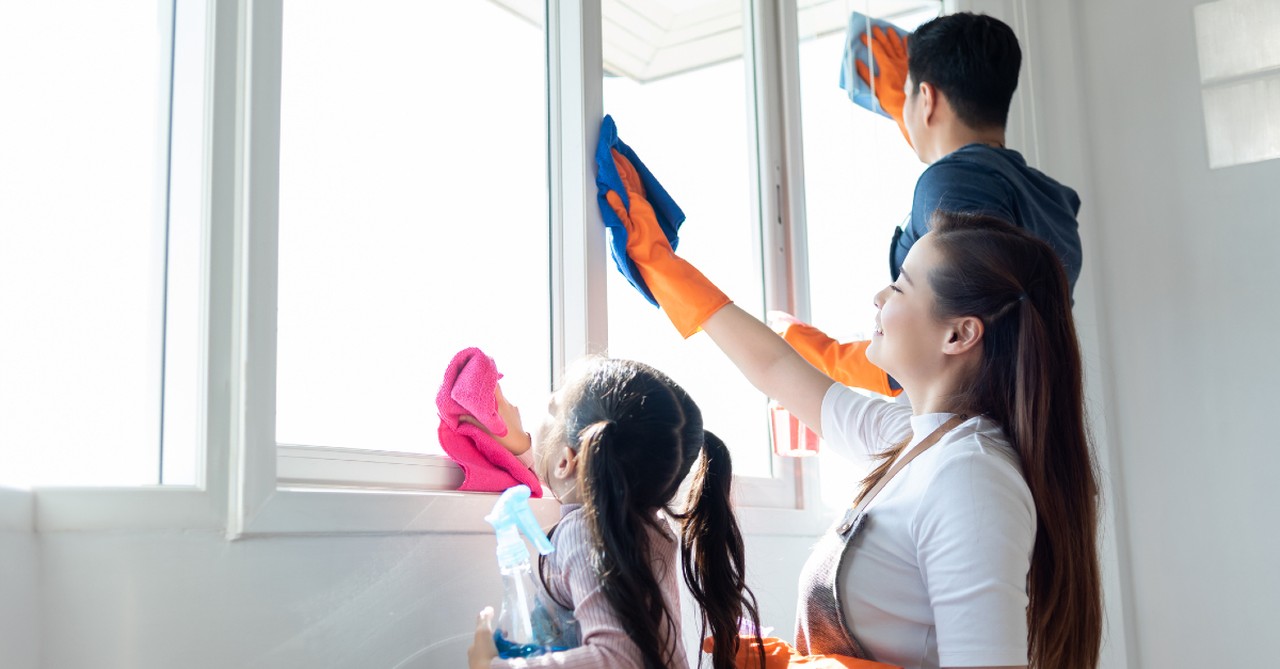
511	515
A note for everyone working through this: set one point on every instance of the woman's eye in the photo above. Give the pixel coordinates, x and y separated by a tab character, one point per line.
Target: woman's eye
895	288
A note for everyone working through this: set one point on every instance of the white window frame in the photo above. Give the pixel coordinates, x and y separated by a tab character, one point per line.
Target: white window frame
267	495
249	486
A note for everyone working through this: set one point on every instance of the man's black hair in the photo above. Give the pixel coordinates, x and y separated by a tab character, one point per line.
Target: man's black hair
973	59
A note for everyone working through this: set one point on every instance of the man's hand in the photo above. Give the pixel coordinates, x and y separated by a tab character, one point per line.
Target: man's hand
889	51
482	649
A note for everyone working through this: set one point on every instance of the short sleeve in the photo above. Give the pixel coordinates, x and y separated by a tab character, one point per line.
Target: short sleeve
975	530
856	426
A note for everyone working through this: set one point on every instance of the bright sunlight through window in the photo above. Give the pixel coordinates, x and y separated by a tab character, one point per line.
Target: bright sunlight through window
413	215
100	241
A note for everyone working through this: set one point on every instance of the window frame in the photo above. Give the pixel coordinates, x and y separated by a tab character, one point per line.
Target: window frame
243	488
268	493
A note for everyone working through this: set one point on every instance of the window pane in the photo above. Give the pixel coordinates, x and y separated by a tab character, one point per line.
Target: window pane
859	176
83	182
183	442
413	214
689	125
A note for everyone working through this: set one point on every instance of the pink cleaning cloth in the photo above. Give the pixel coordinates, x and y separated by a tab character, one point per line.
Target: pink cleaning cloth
470	388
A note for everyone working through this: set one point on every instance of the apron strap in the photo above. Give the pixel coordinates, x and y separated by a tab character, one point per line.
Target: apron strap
921	447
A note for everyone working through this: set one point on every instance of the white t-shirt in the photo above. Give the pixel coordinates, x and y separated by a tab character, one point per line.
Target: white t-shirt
937	576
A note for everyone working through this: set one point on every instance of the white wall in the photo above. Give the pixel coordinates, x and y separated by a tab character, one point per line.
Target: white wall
1183	260
160	600
19	583
153	600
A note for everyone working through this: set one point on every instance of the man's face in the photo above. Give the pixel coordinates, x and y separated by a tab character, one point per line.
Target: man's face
911	114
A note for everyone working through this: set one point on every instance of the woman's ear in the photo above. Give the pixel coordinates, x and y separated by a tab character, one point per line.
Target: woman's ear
963	336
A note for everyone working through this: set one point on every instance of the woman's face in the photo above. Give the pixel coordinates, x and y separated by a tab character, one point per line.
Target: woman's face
907	341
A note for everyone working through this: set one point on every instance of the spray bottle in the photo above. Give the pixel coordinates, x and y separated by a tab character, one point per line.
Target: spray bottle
514	631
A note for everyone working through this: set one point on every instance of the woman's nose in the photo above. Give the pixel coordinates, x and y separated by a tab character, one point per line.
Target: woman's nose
878	298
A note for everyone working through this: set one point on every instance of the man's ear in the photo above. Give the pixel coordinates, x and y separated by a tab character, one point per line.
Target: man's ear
929	101
964	335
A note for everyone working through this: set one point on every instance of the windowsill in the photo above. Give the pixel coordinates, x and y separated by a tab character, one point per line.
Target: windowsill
297	511
292	511
344	492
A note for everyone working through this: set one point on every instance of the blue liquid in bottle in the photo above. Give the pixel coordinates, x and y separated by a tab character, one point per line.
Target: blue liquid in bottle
507	649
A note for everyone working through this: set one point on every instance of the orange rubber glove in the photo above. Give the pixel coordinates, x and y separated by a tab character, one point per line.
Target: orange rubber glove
779	654
685	295
845	363
889	51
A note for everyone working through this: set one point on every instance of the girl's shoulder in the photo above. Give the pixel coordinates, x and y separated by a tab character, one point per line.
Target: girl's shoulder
572	527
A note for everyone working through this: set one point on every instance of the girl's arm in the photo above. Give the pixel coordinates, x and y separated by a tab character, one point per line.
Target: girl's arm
605	642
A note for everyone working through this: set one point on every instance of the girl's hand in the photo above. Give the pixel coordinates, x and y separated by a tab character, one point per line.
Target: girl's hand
482	649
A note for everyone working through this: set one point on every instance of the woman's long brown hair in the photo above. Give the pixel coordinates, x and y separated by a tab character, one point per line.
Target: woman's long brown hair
1030	381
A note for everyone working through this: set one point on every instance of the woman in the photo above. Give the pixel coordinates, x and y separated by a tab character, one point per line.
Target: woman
981	549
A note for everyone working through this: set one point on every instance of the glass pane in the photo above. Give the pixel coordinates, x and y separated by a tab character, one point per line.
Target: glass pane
83	181
182	443
1237	37
689	125
413	214
859	176
1241	123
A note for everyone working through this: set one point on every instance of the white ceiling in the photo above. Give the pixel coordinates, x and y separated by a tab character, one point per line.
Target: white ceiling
647	40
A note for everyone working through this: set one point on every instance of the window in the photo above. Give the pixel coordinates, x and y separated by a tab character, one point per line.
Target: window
1239	46
357	329
358	195
859	177
675	82
412	216
100	242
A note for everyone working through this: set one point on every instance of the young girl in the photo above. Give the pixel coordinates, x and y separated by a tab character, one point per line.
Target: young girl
974	542
618	442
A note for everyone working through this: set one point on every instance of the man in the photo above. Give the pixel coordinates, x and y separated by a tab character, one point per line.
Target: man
949	86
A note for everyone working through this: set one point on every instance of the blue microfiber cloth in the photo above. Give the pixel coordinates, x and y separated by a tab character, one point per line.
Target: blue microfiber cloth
854	51
667	211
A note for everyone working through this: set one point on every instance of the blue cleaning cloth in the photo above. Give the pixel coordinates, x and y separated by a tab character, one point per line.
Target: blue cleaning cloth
666	210
854	50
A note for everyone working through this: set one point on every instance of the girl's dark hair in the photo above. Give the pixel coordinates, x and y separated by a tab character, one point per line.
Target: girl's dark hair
1030	381
638	434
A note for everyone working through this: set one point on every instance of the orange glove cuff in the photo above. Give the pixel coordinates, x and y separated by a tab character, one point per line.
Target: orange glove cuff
845	363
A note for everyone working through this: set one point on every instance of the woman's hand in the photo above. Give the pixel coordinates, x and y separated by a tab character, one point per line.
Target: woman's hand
482	649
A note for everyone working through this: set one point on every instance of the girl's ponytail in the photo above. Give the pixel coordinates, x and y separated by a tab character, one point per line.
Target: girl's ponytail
637	435
618	528
713	556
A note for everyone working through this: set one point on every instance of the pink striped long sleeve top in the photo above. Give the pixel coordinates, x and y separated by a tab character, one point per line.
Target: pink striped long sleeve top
570	578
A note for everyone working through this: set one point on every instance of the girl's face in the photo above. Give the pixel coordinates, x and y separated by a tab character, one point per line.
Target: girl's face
553	461
907	341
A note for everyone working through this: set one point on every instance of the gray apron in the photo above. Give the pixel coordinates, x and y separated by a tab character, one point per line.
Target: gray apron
820	623
821	626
